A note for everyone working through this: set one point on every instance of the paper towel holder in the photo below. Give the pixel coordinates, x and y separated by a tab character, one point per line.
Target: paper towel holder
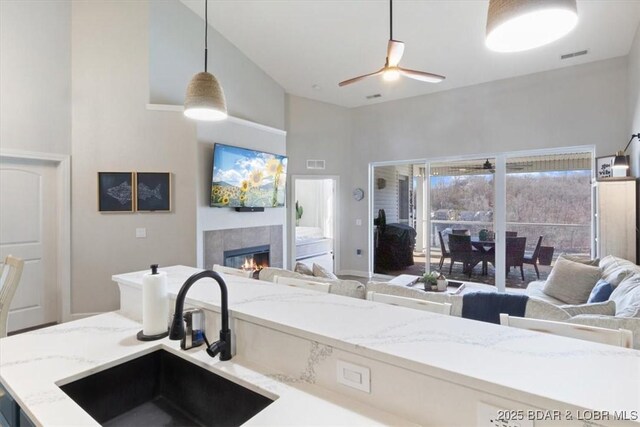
140	335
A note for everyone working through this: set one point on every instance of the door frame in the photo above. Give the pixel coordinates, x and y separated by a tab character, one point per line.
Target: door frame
63	245
336	221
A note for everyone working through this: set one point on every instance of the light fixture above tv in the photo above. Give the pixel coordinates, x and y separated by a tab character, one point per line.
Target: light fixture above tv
247	180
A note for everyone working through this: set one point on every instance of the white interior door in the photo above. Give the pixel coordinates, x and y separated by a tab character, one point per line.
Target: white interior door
28	218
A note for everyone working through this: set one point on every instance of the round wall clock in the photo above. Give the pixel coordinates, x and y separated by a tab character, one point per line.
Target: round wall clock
358	194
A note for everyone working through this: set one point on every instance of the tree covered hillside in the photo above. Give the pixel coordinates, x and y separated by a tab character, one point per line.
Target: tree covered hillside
538	198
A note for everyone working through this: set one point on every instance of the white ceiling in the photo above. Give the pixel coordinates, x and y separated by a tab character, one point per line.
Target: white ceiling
302	43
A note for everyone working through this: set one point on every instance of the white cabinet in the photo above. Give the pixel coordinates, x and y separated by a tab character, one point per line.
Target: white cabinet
617	208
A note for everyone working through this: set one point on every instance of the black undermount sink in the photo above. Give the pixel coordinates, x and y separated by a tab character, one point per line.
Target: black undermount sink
162	389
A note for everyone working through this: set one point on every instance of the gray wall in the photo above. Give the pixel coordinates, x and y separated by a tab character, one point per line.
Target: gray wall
634	120
634	102
113	131
177	53
75	80
35	76
582	105
321	131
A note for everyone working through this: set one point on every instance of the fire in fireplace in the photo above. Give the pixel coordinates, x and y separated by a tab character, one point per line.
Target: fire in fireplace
252	259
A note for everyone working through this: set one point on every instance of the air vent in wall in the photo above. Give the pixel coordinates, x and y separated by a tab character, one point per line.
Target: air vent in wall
375	95
315	164
571	55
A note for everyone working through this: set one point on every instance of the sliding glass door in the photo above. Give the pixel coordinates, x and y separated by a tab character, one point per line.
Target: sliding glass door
462	227
517	213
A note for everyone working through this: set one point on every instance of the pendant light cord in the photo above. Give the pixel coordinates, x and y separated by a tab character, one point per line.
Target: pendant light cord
629	143
390	19
206	33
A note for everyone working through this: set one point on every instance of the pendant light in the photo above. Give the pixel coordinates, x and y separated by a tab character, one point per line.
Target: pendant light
205	97
517	25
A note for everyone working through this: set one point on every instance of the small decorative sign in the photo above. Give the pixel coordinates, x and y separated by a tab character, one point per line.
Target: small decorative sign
115	191
604	167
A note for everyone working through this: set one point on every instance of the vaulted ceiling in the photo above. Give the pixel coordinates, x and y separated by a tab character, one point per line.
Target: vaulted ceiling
308	46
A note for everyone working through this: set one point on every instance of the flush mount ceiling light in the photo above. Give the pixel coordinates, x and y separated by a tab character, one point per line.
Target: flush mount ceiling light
391	71
517	25
205	97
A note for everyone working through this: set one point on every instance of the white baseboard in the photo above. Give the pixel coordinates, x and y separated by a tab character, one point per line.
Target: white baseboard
357	273
78	316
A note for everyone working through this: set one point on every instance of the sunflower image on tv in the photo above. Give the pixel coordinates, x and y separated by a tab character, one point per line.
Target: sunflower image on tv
247	178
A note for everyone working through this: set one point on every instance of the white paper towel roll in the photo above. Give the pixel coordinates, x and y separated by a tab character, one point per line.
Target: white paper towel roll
155	304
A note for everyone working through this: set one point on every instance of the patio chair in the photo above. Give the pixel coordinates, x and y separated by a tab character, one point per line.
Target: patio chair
511	234
443	249
532	257
461	250
515	253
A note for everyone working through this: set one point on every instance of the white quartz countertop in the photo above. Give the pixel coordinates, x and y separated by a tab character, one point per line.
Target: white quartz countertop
483	356
34	364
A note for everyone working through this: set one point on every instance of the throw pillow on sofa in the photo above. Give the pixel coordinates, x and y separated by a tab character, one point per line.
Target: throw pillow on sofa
303	269
600	292
627	297
615	270
571	282
320	271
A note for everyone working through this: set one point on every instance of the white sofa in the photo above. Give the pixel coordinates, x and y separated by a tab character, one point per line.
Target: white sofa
621	311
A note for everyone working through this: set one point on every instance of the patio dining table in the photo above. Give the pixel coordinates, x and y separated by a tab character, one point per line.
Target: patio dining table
484	246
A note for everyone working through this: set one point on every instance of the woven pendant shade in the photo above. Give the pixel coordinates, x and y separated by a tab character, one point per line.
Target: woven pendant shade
205	98
517	25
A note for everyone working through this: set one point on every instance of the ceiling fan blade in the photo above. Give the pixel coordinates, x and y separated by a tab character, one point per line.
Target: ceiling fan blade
395	49
421	75
357	79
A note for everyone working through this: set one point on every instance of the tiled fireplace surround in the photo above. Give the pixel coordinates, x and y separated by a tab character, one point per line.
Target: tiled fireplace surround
218	241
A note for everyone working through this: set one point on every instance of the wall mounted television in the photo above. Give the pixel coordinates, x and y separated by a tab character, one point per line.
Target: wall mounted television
247	178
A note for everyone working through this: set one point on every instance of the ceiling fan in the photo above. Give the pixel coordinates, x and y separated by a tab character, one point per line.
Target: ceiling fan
391	71
488	166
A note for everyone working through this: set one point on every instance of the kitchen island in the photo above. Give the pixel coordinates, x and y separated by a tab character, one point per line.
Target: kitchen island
423	368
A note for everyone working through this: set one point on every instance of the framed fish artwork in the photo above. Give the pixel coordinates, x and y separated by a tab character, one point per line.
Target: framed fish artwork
153	192
115	191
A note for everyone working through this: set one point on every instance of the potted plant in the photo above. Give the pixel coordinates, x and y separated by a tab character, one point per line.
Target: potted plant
299	212
442	283
430	281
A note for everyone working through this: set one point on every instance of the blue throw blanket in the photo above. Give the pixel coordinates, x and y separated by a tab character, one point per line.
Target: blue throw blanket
487	306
